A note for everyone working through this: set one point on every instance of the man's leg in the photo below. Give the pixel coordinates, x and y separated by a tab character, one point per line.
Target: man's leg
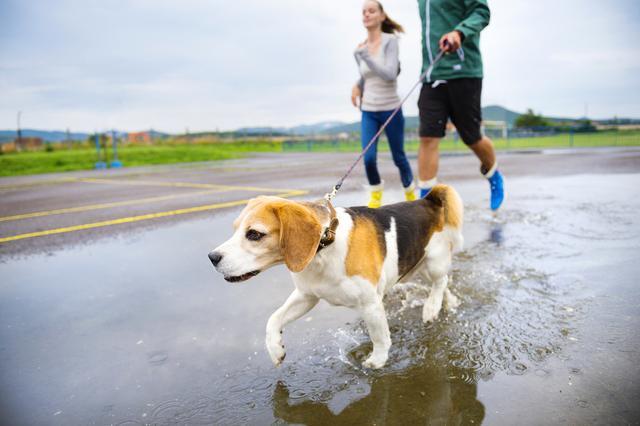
465	94
485	152
434	109
489	168
428	159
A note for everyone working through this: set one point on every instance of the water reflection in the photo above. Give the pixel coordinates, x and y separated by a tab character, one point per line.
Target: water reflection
437	394
513	317
495	233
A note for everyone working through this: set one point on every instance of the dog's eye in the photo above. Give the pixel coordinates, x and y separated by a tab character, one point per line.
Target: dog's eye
254	235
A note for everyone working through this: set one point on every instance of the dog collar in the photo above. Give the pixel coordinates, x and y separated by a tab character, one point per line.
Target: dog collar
329	234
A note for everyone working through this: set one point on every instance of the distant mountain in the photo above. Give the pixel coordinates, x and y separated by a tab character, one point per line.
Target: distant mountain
498	113
60	136
311	129
153	133
262	131
302	130
46	135
489	113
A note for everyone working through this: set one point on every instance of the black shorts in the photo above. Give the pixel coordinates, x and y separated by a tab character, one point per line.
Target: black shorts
458	100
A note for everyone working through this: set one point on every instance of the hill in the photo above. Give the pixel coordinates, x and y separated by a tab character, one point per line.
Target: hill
489	113
46	135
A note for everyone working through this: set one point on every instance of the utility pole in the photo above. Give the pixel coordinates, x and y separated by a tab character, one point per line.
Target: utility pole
19	141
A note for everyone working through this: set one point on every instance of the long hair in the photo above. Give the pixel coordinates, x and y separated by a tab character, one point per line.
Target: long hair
389	25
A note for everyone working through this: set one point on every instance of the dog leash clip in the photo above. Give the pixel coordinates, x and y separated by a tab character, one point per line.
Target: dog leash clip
331	195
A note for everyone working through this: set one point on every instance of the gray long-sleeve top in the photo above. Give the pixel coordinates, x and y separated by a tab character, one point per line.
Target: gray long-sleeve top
378	75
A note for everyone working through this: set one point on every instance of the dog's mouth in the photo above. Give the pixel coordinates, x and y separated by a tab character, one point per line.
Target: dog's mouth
242	277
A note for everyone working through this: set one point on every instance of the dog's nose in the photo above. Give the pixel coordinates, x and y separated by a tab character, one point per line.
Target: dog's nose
215	258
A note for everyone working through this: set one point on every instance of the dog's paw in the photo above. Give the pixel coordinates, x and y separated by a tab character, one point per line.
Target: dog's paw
451	300
276	349
430	311
375	361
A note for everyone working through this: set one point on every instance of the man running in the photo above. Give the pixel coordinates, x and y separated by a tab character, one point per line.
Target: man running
453	89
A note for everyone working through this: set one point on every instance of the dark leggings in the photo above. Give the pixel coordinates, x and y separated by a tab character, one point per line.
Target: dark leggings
371	123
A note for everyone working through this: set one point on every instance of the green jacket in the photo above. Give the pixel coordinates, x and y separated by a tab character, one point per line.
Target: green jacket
442	16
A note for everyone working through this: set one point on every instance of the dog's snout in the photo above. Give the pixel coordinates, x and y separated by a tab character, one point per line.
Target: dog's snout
215	257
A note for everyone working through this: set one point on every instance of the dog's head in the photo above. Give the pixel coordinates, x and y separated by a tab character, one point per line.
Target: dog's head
270	230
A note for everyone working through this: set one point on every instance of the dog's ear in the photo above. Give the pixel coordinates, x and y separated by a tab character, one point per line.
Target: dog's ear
300	233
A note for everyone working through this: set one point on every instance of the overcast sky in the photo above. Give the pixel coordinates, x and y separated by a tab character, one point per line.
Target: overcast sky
218	64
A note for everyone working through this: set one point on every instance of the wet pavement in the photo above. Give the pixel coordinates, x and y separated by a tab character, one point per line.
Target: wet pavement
129	323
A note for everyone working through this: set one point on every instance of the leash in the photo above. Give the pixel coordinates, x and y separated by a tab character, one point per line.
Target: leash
330	195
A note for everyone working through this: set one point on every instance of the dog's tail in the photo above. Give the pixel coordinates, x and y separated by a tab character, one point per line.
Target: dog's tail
453	210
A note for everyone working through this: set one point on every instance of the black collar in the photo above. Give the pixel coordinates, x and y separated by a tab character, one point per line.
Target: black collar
329	234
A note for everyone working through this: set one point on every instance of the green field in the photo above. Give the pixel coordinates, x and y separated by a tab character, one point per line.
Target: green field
63	159
565	140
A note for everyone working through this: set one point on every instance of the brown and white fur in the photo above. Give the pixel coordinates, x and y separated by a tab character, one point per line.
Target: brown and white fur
373	250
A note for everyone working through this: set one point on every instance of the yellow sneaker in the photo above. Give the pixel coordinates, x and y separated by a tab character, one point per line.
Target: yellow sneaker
375	196
410	192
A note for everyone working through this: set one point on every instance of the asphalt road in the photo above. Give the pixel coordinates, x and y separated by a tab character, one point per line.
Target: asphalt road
48	212
111	313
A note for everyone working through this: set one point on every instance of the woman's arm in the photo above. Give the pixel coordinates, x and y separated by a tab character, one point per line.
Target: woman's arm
358	88
389	70
356	94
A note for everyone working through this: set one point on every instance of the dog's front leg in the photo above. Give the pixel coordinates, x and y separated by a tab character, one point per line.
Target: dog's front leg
296	306
375	318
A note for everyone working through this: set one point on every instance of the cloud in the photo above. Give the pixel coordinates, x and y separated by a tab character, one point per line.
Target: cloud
217	64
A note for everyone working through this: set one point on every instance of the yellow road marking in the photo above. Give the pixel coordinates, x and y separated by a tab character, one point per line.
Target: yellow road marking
148	183
184	185
141	183
139	218
105	205
213	188
15	186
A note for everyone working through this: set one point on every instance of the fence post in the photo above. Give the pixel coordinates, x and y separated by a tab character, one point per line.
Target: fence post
115	163
571	138
100	164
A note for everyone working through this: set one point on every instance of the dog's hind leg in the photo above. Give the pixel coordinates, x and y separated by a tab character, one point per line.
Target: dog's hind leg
436	268
296	306
433	304
375	318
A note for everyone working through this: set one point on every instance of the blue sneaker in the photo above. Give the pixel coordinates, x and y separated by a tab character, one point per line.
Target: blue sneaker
497	190
424	192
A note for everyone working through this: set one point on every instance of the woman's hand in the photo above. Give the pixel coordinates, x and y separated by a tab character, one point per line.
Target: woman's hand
356	96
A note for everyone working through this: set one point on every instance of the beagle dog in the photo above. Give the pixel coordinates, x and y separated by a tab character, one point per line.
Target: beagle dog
348	256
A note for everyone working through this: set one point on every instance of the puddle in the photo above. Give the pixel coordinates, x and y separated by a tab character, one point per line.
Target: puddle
145	332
